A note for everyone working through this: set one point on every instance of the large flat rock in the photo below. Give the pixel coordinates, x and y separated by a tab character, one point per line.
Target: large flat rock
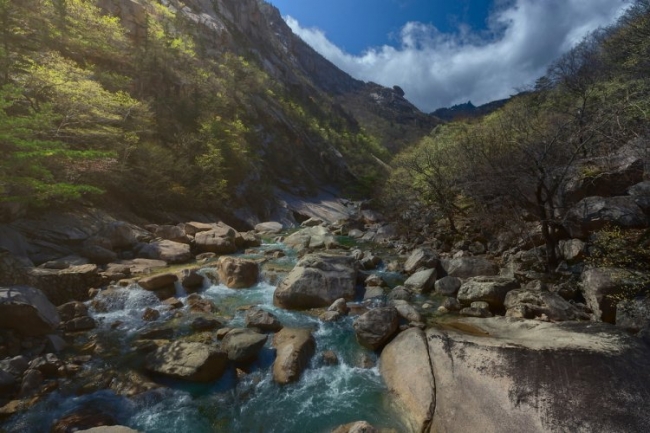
511	375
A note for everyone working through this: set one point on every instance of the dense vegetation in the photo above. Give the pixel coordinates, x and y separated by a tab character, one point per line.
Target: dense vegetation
509	168
90	109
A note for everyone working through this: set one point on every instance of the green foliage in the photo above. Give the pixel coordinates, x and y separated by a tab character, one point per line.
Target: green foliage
628	251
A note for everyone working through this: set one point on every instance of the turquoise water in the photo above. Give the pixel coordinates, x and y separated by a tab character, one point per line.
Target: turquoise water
325	397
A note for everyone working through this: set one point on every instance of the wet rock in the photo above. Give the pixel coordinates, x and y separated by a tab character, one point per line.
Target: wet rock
262	320
82	419
376	327
204	324
421	258
150	315
492	290
356	427
374	280
199	304
32	381
191	280
317	281
330	358
243	345
340	306
421	281
238	273
467	267
173	303
295	348
157	334
330	316
406	369
448	286
158	282
194	362
109	429
26	310
79	324
48	364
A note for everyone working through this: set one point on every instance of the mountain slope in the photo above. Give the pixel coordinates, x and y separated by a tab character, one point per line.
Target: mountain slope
196	105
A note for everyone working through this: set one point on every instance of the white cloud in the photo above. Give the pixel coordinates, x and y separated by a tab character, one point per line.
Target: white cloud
439	70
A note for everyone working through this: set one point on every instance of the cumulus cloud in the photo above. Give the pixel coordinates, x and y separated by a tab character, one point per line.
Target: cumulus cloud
437	69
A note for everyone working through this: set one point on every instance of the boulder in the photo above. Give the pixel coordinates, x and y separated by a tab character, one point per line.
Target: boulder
220	240
422	281
594	213
171	233
109	429
467	267
238	273
262	320
195	362
191	280
356	427
317	281
168	251
243	345
65	285
270	228
607	182
448	286
98	254
641	195
294	348
633	314
406	311
492	290
572	250
602	286
540	302
376	327
27	310
503	374
121	235
193	227
311	237
158	282
406	369
340	306
477	309
421	258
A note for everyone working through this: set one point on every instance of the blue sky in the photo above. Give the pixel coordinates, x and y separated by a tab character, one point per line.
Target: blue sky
446	52
356	25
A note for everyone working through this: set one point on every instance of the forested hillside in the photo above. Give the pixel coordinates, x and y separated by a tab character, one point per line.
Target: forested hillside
521	164
171	105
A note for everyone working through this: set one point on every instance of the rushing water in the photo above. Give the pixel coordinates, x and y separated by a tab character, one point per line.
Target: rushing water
325	397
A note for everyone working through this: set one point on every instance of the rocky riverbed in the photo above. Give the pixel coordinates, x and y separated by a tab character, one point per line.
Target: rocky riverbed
200	328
